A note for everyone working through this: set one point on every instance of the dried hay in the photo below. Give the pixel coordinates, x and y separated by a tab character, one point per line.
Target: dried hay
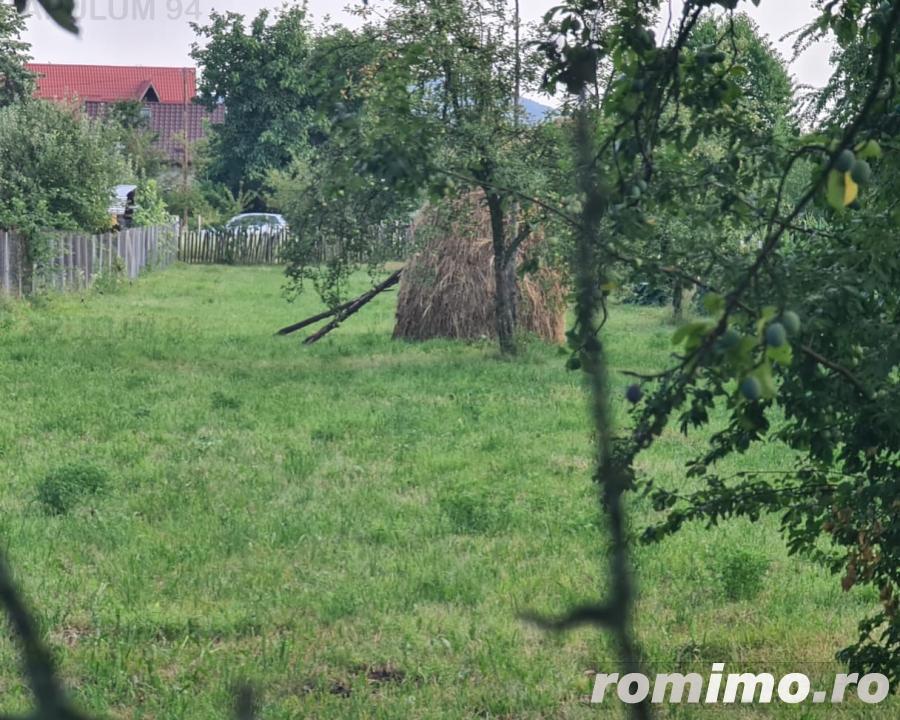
447	289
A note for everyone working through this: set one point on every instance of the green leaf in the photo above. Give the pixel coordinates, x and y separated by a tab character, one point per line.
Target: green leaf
62	12
783	354
743	353
869	150
680	335
713	303
691	332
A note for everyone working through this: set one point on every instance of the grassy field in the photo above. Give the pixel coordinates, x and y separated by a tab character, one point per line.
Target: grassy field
354	527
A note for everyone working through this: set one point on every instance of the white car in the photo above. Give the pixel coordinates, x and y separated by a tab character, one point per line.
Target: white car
258	223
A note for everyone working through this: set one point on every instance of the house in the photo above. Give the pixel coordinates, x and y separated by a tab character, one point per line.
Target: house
167	94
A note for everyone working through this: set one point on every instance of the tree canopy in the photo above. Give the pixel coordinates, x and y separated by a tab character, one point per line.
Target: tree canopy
259	71
57	169
16	82
801	322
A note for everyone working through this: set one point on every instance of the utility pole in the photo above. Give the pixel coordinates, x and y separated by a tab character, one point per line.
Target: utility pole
518	69
517	101
186	149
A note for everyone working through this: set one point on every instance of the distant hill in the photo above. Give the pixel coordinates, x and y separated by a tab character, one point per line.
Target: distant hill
535	112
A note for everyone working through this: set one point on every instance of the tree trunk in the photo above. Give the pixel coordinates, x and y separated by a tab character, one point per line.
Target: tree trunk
678	301
504	277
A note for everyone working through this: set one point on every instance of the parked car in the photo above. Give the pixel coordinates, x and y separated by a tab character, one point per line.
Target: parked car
261	223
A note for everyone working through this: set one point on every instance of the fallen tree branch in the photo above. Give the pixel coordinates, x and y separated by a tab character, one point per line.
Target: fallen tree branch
351	308
314	319
341	310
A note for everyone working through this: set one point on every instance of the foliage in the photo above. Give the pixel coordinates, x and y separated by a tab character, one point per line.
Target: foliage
722	161
428	105
189	201
57	171
16	82
805	323
151	208
766	92
466	60
205	201
742	572
226	203
131	130
258	71
328	193
61	11
111	279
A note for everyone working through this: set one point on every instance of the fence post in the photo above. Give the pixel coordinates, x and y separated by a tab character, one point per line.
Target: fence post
70	260
4	256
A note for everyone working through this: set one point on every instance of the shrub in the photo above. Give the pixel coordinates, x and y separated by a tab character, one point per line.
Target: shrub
63	488
151	208
742	572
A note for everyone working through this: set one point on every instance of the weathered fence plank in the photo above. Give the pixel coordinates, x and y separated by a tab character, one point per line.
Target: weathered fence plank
6	281
242	247
77	260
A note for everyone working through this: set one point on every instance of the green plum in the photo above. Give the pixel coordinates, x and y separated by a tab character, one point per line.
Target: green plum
845	161
751	388
776	335
861	172
791	322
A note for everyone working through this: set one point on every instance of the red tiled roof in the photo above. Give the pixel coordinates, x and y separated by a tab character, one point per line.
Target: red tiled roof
108	83
168	121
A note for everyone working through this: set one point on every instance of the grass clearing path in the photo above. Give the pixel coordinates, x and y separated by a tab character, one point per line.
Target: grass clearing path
353	526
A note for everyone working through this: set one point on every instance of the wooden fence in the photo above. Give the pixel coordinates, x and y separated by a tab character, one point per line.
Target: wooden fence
243	247
76	260
232	247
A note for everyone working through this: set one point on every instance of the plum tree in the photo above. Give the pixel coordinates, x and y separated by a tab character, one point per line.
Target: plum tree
836	394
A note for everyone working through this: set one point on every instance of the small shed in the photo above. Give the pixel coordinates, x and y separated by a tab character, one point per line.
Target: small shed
121	210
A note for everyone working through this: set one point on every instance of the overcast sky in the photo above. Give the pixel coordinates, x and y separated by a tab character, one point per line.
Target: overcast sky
156	32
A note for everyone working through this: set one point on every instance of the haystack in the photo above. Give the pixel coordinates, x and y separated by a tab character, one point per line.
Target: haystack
447	290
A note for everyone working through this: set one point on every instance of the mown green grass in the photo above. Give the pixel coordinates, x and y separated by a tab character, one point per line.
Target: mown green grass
353	527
